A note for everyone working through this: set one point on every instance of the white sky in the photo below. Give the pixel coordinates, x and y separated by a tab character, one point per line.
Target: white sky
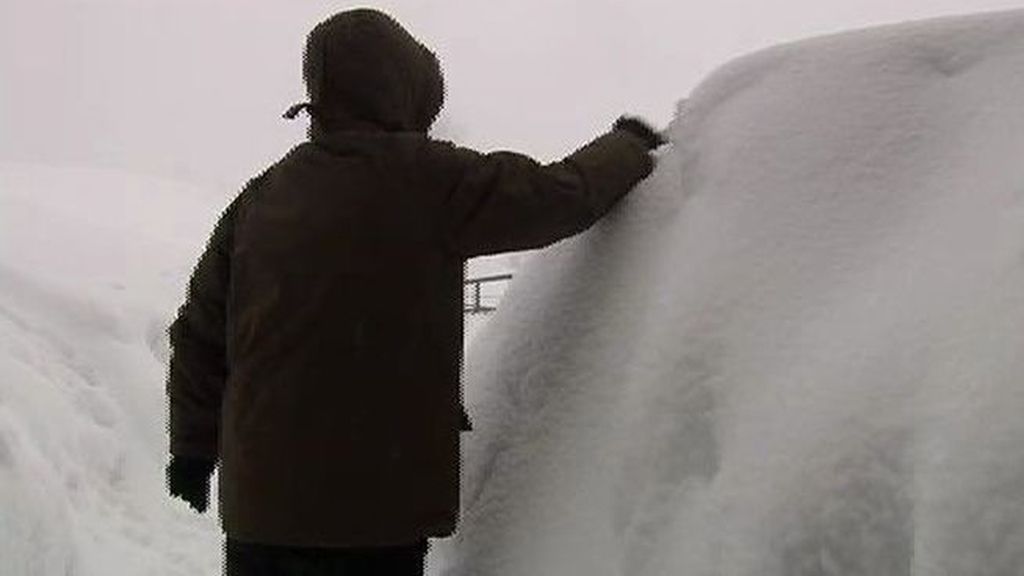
194	89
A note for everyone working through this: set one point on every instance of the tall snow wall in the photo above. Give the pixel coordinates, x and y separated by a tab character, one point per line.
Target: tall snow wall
795	349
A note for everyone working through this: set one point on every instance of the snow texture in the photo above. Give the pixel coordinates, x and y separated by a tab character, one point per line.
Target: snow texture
87	290
794	350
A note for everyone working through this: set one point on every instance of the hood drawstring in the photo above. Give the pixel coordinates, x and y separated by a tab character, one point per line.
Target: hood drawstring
294	110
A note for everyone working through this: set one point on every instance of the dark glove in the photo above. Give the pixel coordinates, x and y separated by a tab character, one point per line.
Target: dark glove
641	129
189	479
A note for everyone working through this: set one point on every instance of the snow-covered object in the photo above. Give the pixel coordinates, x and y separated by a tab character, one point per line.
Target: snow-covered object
93	265
797	349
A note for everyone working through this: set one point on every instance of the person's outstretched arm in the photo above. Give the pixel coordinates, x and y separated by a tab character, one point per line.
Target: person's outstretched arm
504	201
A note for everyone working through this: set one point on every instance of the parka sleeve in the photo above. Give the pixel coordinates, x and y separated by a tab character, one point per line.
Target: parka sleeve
198	364
505	201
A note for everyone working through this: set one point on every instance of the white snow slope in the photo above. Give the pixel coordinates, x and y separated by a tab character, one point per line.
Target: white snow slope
93	265
795	350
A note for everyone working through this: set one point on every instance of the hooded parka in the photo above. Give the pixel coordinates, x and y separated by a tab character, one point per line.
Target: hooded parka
318	353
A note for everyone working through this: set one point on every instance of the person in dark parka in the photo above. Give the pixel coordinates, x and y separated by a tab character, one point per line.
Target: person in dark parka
317	356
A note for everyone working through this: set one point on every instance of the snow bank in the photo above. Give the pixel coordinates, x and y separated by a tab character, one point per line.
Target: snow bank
93	265
796	349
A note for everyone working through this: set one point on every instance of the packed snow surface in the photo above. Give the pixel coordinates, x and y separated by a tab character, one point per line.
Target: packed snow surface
796	349
93	265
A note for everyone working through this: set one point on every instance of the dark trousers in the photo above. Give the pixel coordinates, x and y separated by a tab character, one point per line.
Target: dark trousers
245	559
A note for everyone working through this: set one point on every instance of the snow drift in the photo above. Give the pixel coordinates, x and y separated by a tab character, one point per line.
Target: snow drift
93	265
796	349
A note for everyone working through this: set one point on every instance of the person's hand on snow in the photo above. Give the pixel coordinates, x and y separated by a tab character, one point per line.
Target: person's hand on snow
189	479
640	128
